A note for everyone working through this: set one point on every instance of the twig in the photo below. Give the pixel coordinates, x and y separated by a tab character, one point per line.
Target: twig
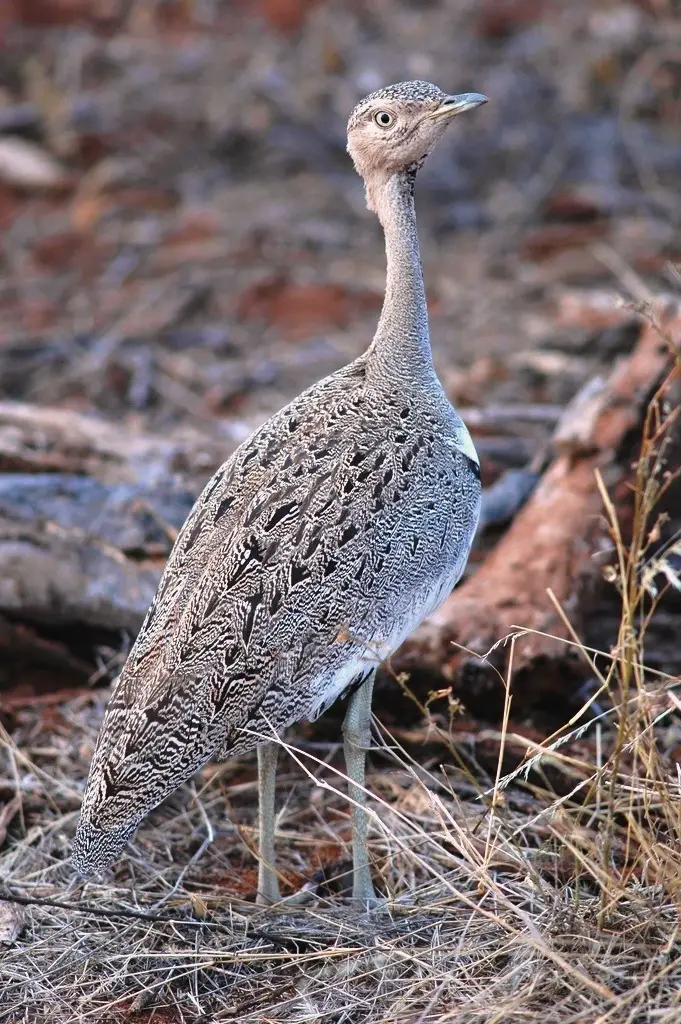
7	896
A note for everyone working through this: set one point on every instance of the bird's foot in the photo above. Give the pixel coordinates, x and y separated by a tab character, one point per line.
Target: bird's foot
268	886
300	898
364	896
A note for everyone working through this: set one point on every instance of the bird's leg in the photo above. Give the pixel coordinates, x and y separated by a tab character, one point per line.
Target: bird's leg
268	885
357	737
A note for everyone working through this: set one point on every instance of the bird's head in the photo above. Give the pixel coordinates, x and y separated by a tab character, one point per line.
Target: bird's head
393	130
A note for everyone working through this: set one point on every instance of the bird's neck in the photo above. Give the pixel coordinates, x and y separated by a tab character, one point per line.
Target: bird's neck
401	344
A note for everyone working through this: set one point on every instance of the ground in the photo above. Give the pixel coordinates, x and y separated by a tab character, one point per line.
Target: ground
184	247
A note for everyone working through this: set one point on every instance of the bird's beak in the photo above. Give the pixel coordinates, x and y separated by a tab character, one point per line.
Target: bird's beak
453	105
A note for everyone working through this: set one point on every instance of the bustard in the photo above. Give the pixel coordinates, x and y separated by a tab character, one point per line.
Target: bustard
313	551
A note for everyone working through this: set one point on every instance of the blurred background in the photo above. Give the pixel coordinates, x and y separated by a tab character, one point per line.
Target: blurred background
184	241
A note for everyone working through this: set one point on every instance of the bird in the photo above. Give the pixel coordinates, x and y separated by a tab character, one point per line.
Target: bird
312	552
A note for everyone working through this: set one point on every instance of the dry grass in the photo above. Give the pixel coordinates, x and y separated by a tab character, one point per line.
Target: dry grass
551	894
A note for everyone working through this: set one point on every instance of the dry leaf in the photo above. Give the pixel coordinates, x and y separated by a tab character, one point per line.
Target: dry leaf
199	905
11	923
25	164
7	813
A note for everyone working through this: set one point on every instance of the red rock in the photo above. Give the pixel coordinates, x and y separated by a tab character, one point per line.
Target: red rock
11	205
554	238
572	205
501	18
593	309
38	316
51	12
150	200
299	309
58	251
286	15
196	227
70	250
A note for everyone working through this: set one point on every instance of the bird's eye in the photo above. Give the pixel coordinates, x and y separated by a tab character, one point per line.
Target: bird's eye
383	119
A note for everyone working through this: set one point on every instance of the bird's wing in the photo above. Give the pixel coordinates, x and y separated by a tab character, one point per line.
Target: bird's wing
291	543
261	543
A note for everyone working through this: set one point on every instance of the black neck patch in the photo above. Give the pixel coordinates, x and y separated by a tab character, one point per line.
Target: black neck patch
412	170
472	465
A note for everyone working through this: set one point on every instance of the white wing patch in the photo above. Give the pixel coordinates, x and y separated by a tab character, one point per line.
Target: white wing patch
463	442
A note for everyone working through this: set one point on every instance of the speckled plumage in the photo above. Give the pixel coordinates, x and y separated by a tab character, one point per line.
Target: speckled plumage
308	558
415	93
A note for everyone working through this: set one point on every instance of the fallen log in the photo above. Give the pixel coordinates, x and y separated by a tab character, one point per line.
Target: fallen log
557	542
88	514
36	440
75	551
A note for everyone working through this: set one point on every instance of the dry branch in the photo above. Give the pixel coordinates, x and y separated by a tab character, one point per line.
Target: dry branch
556	542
